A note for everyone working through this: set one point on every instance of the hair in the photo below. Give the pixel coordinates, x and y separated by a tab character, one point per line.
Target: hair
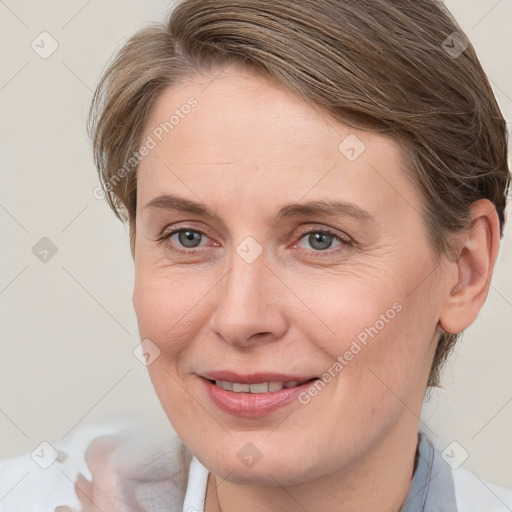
381	65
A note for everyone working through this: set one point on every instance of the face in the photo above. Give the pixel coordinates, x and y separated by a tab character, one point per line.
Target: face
281	255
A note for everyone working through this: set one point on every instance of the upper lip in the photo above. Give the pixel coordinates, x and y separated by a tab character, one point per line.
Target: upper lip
255	378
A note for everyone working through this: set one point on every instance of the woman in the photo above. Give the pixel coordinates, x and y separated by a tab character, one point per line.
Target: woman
315	193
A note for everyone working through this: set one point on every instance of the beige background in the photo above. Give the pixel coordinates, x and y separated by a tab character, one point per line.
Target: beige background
67	326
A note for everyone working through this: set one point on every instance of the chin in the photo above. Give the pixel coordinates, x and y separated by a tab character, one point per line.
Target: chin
269	470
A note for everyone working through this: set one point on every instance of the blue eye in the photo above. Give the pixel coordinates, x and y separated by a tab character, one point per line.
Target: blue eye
321	240
188	239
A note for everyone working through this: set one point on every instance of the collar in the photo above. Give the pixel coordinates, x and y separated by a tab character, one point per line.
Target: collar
432	486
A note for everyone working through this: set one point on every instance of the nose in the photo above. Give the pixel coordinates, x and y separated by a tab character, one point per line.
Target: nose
250	304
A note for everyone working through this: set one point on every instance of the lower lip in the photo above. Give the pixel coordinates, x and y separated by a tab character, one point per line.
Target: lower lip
252	405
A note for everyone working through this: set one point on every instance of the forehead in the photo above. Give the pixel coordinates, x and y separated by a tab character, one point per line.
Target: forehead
242	105
227	132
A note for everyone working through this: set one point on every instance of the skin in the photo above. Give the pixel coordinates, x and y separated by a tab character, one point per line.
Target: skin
248	148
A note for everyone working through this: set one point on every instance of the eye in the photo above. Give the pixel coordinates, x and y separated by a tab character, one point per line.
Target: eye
186	239
322	239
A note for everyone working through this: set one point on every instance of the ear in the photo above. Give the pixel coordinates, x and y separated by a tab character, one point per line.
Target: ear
475	258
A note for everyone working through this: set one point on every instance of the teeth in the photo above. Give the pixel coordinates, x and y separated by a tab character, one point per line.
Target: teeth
224	384
241	388
262	387
259	388
275	386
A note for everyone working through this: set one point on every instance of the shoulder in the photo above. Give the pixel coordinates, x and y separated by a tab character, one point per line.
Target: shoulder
441	483
44	478
475	494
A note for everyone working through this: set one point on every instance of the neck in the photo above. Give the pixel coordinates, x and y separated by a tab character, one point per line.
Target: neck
379	481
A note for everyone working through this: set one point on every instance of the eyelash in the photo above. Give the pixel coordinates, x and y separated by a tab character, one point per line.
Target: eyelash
316	253
344	242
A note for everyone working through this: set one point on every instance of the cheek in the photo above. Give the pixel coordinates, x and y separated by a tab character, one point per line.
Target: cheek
380	338
168	314
376	367
169	308
348	310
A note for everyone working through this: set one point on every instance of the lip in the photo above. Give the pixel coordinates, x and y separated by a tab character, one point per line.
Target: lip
252	405
255	378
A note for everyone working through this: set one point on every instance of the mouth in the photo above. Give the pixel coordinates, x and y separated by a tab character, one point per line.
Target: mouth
261	387
256	395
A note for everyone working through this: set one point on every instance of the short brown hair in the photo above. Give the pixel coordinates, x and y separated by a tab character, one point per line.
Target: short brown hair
399	67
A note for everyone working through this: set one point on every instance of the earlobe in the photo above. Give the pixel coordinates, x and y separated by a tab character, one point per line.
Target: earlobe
477	255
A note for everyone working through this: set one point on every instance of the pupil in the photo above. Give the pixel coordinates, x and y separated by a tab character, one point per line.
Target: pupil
324	239
189	236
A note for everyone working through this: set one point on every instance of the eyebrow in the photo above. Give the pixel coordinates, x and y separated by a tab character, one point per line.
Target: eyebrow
326	208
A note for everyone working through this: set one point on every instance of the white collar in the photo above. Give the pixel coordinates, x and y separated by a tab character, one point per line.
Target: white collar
196	487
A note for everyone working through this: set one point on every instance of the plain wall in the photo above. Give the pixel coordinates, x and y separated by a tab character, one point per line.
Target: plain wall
67	326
